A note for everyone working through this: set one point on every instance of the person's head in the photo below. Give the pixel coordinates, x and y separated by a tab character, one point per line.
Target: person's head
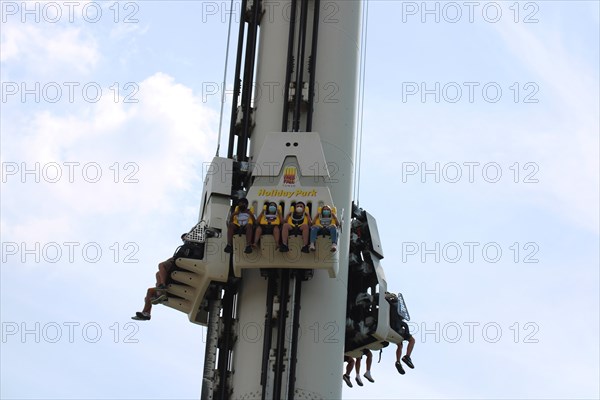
243	204
183	235
326	211
272	208
299	207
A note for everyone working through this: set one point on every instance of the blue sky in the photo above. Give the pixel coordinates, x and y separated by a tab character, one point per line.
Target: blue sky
120	177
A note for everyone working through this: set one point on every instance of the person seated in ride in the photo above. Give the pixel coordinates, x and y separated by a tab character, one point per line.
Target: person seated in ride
325	222
157	294
297	221
404	332
268	222
242	221
357	364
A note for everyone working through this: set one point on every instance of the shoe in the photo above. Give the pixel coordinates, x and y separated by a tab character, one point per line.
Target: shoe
312	247
368	376
399	368
358	380
248	249
228	249
284	248
347	380
140	316
408	362
304	249
159	298
333	248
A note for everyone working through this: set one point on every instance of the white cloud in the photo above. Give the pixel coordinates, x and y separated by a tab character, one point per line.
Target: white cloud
44	50
164	137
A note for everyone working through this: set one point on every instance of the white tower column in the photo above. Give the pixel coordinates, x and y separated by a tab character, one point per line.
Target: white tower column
323	305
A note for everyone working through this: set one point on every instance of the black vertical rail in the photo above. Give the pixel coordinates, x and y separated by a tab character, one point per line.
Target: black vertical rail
300	66
225	343
210	352
248	80
236	82
312	66
271	287
284	282
289	67
295	328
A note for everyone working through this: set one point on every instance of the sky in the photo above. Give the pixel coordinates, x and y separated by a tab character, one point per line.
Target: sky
480	160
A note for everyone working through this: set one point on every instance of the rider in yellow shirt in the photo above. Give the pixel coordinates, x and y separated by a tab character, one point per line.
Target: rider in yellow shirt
242	221
268	223
325	221
298	220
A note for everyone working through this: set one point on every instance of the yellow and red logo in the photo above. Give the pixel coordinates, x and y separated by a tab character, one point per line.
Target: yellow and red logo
289	176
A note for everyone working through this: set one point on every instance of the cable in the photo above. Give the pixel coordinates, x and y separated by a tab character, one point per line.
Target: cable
360	116
224	79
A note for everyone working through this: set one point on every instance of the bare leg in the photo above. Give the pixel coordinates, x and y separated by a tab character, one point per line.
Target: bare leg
411	344
230	229
285	234
399	352
163	270
304	229
248	235
350	365
369	360
276	234
257	235
147	300
357	365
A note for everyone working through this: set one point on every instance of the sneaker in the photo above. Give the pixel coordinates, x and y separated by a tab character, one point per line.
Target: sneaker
358	380
284	248
347	380
248	249
228	249
304	249
408	362
140	316
399	368
333	248
159	298
368	376
312	247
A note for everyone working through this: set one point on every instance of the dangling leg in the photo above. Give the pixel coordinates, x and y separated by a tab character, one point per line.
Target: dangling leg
398	354
304	230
